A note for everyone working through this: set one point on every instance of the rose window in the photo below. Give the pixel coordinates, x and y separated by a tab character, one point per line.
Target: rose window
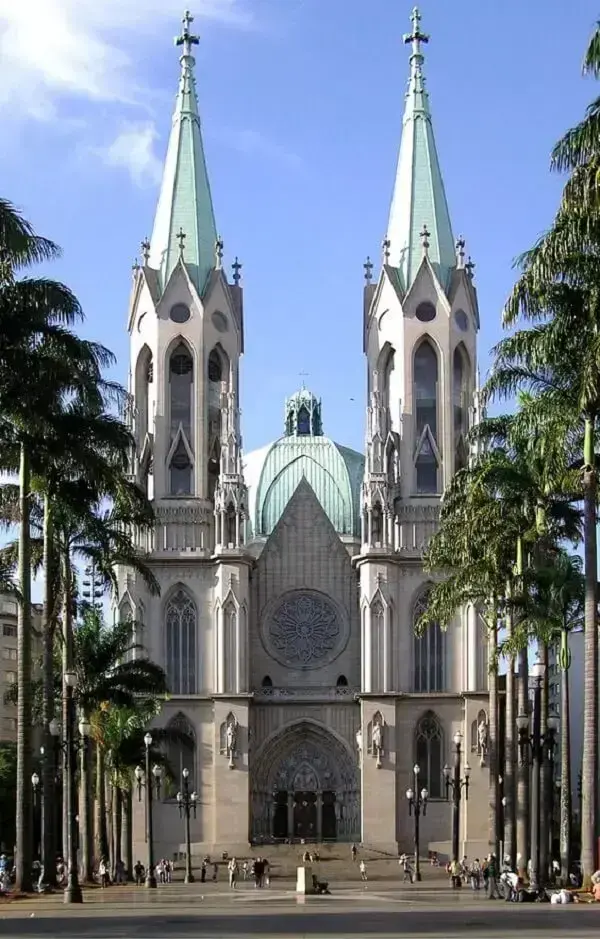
304	631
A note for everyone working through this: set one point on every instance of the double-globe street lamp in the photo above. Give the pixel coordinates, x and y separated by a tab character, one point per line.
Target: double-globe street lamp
149	780
70	746
417	806
453	781
186	801
533	746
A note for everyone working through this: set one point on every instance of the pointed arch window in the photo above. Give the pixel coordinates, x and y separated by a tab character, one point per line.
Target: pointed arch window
215	367
180	745
181	380
181	634
460	406
378	646
426	417
429	653
230	622
303	422
428	748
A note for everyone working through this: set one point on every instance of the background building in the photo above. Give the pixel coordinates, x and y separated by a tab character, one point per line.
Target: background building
8	659
291	580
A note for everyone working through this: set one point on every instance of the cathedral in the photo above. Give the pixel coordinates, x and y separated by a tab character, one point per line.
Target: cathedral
291	577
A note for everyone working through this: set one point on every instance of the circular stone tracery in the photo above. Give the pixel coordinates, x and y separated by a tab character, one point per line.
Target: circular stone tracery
304	630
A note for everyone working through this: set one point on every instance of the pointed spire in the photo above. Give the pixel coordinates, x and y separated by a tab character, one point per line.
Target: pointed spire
185	201
419	189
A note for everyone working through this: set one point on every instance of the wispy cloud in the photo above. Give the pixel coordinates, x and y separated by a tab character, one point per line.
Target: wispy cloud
133	150
256	144
83	49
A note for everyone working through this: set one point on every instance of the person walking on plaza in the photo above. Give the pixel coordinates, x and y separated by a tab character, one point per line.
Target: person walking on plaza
233	869
354	852
407	874
363	870
138	873
475	874
454	871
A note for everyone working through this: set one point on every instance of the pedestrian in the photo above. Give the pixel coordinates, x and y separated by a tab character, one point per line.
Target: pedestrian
454	871
203	872
266	872
103	872
258	873
492	878
407	874
233	869
475	874
138	873
363	870
245	870
215	872
354	852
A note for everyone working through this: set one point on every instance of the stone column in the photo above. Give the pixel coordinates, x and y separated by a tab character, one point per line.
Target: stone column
471	647
290	808
319	816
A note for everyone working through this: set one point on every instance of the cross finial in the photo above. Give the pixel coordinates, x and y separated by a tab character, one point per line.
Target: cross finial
187	40
135	268
470	267
181	239
219	248
425	234
236	267
460	252
368	266
303	375
386	244
416	37
146	250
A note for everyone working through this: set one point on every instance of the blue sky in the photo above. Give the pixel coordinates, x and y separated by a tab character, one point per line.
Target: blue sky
302	103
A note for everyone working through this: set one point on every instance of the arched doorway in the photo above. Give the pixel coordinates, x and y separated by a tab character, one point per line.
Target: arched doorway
305	786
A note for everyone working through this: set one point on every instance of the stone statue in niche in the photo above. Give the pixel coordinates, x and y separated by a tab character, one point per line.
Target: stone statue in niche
359	742
482	740
377	738
231	739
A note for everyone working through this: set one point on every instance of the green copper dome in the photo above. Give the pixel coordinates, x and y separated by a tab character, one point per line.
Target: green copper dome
273	473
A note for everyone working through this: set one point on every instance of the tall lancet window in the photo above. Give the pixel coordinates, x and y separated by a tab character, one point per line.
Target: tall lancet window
429	653
460	405
378	646
181	632
181	383
426	416
428	754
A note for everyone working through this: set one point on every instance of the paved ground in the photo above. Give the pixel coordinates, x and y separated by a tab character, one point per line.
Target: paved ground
179	912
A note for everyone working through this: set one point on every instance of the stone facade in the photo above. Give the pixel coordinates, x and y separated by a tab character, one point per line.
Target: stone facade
291	579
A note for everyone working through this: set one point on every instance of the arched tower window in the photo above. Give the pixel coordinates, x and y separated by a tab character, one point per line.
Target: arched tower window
267	682
218	370
215	367
426	417
181	634
429	652
460	406
143	395
303	422
181	383
428	748
342	682
230	648
180	741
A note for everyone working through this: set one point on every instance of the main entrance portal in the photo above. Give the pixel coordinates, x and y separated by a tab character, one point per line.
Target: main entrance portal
305	788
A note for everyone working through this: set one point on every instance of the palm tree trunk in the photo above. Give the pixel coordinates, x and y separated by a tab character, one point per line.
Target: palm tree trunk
510	751
117	826
85	827
493	733
127	842
24	816
523	830
565	761
100	820
546	780
48	765
590	698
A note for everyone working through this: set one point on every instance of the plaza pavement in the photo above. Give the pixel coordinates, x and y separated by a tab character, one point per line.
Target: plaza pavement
177	911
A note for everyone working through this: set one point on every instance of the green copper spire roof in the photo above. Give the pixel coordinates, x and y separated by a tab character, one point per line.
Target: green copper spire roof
184	225
419	201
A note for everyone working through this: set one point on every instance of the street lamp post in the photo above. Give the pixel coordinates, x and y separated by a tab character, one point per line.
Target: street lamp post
417	806
70	746
454	782
148	780
532	745
186	801
38	789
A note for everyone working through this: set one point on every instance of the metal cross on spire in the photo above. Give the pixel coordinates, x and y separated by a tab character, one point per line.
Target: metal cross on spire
386	244
145	250
425	236
236	268
416	37
187	39
219	248
181	239
460	252
368	266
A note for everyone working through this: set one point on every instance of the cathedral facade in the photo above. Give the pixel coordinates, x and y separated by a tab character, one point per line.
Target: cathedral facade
291	577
